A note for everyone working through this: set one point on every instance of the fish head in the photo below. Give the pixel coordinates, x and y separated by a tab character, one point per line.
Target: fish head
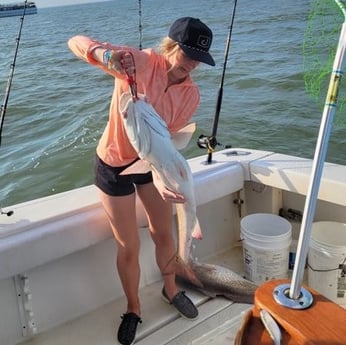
129	111
126	108
146	130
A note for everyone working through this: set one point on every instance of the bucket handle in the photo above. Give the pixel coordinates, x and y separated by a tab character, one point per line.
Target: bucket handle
341	267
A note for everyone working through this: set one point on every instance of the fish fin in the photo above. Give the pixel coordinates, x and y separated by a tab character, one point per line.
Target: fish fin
185	271
124	100
139	167
197	231
228	296
207	293
182	169
239	298
184	282
182	138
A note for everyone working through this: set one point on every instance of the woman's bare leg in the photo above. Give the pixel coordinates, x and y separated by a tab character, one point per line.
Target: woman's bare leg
121	212
159	214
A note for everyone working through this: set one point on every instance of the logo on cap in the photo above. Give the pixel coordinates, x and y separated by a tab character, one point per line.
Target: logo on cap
203	42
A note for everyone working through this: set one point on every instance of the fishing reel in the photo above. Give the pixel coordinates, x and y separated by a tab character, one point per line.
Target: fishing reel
210	143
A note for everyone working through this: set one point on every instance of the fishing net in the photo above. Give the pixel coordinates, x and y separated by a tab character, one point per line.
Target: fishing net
320	42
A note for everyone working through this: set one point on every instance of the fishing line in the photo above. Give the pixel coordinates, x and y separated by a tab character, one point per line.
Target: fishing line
10	77
210	142
140	27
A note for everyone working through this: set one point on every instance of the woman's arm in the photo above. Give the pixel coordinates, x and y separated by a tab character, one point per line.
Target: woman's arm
95	53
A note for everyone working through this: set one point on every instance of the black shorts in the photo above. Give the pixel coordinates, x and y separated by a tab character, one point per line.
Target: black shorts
109	180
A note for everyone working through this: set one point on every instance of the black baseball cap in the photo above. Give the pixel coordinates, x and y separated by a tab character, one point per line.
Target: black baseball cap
194	38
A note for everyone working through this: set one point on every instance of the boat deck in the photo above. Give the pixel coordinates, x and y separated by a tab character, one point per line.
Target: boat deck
217	323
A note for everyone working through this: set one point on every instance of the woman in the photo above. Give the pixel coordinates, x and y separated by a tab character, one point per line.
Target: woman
164	79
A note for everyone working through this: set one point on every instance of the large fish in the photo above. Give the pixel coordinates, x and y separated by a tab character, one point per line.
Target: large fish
150	137
220	281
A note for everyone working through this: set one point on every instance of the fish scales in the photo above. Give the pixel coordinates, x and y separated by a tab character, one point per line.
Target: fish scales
221	281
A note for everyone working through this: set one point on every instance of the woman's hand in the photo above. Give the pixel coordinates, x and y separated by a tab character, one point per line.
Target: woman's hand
167	194
113	60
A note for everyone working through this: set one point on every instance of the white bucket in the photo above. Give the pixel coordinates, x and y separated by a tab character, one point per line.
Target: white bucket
266	245
327	260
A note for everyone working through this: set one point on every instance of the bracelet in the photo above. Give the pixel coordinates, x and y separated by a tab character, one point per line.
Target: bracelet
107	57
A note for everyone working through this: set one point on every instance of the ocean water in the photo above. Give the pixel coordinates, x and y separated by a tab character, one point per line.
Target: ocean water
58	105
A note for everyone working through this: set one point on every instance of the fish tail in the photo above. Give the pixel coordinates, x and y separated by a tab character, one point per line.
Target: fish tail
185	271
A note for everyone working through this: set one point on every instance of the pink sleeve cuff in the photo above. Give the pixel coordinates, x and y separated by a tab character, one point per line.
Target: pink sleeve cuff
89	52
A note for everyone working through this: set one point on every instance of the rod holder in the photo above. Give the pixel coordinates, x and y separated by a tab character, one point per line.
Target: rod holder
282	296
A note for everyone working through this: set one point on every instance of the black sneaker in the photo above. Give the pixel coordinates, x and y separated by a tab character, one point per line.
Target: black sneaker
127	328
183	304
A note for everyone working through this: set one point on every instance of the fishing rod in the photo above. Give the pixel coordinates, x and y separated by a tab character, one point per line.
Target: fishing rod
8	89
294	296
10	77
210	142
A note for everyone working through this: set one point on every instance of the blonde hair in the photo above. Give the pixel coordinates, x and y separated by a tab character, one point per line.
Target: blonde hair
168	46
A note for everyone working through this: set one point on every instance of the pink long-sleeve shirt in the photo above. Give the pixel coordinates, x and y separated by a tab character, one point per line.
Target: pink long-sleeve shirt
175	104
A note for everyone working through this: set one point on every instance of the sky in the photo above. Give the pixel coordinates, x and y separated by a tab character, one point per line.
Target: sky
51	3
